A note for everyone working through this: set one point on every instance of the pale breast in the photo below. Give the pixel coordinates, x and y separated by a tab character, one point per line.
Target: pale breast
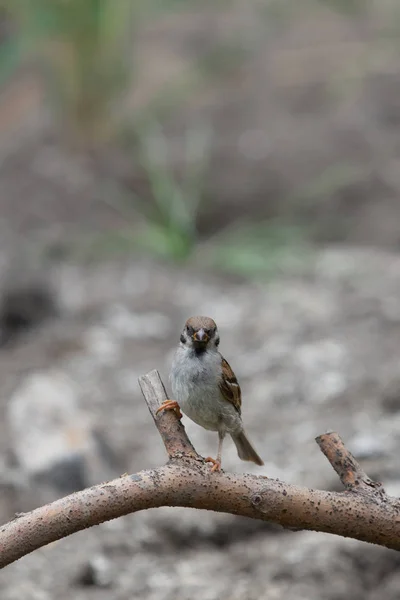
195	386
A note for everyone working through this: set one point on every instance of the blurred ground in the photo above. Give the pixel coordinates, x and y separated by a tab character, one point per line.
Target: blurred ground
304	127
317	351
302	108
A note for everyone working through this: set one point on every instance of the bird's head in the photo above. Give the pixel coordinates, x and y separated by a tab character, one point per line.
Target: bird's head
200	333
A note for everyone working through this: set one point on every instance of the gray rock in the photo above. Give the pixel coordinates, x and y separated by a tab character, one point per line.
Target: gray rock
46	423
97	572
54	441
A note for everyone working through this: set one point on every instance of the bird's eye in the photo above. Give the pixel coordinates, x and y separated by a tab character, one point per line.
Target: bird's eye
190	330
217	341
183	339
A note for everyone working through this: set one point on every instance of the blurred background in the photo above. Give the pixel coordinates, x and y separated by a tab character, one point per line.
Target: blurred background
233	158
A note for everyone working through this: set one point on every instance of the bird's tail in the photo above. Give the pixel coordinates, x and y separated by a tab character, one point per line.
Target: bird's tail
245	450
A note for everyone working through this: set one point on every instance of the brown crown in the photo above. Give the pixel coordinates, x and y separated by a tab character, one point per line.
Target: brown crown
200	323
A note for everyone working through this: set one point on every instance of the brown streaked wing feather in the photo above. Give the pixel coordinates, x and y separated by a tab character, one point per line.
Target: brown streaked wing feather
229	386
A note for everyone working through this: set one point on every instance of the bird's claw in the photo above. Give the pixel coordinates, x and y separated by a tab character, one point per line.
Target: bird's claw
170	405
216	464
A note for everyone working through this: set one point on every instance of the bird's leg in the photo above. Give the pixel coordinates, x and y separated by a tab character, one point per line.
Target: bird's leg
170	405
217	462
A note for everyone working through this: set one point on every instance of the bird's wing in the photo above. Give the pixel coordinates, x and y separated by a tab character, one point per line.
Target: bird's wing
229	386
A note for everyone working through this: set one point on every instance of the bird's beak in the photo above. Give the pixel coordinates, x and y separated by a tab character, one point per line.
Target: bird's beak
201	336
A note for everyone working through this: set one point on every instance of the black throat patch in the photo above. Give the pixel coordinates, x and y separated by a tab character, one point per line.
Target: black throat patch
200	350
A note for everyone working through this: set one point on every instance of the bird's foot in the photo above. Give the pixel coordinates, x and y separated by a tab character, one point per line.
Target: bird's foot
216	464
170	405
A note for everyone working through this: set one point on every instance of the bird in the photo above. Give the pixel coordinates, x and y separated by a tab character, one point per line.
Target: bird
206	390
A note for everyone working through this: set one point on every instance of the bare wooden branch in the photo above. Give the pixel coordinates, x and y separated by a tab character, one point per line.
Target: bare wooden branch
351	474
363	511
169	426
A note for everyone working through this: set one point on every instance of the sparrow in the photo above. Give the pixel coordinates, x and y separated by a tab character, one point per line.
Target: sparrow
206	389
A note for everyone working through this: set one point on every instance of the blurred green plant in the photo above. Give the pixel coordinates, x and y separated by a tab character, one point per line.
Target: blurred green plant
171	216
83	49
348	7
253	251
259	250
332	180
162	220
10	46
163	223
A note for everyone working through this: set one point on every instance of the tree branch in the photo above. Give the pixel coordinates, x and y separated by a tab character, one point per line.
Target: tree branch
351	474
170	428
363	511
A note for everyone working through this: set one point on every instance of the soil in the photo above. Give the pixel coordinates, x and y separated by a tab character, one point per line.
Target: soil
317	351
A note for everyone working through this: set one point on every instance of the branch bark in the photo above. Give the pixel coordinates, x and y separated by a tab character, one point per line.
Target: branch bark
363	511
